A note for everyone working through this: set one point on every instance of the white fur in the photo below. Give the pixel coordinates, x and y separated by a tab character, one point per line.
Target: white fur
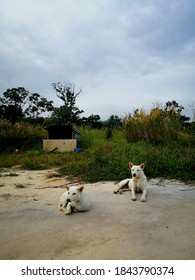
137	183
75	199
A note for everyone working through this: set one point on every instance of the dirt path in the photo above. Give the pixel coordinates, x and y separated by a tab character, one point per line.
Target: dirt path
31	227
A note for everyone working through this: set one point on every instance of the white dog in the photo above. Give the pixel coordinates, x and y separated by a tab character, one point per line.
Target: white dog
75	199
137	183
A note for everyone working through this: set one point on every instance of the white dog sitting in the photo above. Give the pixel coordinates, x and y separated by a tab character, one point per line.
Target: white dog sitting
75	199
137	183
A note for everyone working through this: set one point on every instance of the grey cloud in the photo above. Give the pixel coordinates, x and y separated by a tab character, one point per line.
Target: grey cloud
109	47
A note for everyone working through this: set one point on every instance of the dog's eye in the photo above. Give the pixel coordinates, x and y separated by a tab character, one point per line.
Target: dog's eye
73	193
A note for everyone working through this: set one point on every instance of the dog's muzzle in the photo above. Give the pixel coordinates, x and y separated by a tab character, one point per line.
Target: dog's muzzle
68	200
134	174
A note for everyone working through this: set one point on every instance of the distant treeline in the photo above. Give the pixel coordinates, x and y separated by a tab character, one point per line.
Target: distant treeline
22	123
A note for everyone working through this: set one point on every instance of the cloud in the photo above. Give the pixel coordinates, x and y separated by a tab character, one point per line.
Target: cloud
124	54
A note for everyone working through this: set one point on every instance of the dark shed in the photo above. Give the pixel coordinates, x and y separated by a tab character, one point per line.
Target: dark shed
62	132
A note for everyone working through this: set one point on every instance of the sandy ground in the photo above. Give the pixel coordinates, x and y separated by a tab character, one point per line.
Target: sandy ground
31	227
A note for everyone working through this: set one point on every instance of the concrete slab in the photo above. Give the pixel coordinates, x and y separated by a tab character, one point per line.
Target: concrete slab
31	227
60	145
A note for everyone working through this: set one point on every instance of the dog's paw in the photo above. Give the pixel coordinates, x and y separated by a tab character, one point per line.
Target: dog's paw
143	199
134	198
120	191
60	207
115	191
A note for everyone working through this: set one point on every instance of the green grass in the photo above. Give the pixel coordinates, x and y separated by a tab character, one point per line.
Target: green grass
107	159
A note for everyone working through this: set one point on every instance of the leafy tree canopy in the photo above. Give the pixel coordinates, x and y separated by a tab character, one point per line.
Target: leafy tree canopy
18	103
68	113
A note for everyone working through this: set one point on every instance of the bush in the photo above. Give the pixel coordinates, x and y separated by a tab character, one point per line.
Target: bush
157	127
20	136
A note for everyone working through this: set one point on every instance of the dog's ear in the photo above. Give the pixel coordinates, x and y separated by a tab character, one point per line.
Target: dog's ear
142	165
130	164
80	189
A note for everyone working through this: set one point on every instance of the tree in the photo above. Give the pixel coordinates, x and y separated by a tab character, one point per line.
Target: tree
93	121
114	122
68	113
13	102
38	105
174	110
18	103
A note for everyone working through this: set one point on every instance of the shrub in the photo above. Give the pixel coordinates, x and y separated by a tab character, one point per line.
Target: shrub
19	136
157	127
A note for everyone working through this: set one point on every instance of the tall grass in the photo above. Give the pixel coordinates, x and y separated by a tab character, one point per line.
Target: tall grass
20	136
90	137
157	127
106	158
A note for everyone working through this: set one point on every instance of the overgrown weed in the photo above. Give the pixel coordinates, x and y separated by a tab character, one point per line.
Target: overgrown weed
106	158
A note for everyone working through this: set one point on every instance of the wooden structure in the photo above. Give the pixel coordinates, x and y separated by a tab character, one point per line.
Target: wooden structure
61	138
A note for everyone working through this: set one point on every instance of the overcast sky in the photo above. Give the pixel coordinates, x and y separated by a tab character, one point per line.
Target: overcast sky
125	54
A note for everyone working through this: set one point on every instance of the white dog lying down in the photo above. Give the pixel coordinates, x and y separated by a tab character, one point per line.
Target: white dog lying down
75	199
137	183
